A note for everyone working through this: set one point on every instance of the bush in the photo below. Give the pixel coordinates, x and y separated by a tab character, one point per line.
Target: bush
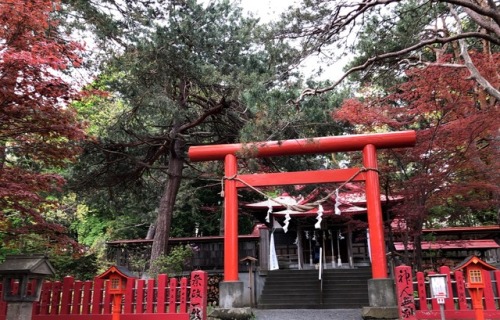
175	262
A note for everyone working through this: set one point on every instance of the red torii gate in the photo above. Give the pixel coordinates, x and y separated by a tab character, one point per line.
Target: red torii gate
367	143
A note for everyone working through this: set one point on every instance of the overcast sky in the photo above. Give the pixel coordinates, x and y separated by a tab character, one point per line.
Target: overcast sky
266	9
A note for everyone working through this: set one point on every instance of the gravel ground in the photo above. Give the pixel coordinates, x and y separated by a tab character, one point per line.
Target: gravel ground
309	314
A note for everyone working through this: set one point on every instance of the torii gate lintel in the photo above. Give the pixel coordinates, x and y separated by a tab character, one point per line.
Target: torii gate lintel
368	144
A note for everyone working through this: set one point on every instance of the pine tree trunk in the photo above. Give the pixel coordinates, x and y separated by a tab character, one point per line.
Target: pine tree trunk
166	207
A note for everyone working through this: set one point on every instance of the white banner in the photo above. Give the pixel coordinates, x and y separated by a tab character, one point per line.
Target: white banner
273	258
368	243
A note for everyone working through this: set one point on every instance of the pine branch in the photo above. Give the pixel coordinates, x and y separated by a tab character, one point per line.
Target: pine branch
395	54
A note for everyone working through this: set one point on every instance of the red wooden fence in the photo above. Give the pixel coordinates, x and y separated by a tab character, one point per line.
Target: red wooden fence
414	301
163	298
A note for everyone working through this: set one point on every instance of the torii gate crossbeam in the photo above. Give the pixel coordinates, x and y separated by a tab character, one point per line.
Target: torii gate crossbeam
367	143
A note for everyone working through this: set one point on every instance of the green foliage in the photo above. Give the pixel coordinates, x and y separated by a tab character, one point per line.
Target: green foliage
81	268
390	30
175	262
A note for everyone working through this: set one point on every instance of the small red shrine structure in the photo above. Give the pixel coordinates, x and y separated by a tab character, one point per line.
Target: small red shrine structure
475	282
116	285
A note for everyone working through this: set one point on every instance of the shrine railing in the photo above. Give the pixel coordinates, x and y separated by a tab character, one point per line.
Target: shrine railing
150	299
415	301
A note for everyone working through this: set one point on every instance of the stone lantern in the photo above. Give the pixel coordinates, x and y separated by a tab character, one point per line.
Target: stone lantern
23	276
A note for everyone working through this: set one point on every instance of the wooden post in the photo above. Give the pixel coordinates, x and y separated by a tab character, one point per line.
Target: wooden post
230	220
199	284
375	221
404	291
117	304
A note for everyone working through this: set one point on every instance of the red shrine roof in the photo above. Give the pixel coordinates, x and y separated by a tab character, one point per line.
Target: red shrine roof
350	202
452	245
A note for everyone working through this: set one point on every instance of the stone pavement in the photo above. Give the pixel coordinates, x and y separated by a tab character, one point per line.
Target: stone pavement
307	314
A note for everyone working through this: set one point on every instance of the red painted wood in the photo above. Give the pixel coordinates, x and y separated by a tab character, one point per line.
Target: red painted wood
45	298
183	295
150	296
422	293
230	220
461	291
129	296
375	217
55	297
404	292
3	305
15	287
305	146
107	301
67	288
457	314
77	297
461	311
489	299
300	177
448	302
3	311
139	297
87	297
496	276
30	287
172	296
109	317
198	295
161	294
97	296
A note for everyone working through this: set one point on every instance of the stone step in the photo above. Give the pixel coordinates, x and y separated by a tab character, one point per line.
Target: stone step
300	289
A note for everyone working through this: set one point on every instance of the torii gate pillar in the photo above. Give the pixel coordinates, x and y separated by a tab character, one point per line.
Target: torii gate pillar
231	290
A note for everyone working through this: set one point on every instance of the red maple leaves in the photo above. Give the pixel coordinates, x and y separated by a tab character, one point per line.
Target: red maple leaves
38	128
453	163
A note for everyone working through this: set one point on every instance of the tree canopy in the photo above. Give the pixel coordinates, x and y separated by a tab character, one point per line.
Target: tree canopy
180	80
39	130
166	75
390	36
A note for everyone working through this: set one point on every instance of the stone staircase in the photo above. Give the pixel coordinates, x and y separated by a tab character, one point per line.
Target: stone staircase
346	288
300	289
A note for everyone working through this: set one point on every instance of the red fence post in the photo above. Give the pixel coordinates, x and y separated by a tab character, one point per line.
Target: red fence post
404	291
139	299
87	297
44	299
460	283
162	285
183	295
97	296
56	297
172	300
489	298
66	301
77	297
199	284
129	296
150	296
422	293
